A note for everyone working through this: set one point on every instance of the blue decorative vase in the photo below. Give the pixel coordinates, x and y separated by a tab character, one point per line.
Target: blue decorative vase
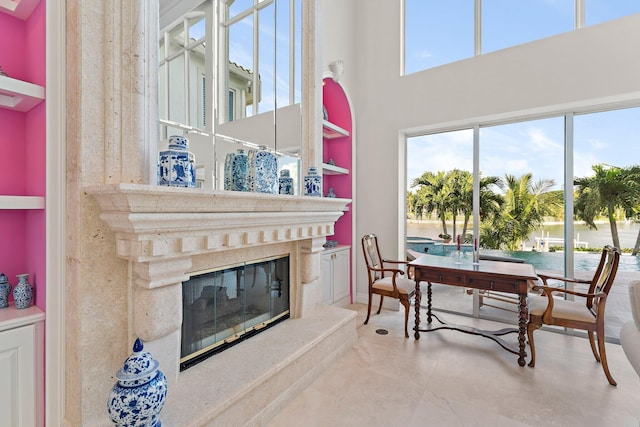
313	183
23	292
5	291
177	166
266	169
285	182
331	194
228	171
139	395
239	171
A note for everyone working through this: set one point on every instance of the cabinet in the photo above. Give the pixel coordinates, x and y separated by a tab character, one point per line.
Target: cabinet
336	275
21	363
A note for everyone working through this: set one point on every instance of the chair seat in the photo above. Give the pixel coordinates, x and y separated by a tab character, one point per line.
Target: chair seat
570	310
405	286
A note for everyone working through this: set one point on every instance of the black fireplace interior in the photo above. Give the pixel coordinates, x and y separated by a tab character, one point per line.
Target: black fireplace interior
222	307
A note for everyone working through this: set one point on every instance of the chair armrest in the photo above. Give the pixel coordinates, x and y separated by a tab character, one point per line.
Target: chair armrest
389	270
395	262
545	277
550	290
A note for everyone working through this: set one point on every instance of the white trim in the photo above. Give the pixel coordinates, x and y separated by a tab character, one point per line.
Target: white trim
55	212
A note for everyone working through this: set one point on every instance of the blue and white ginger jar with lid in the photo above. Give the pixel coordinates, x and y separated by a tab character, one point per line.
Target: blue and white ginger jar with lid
139	395
313	183
177	166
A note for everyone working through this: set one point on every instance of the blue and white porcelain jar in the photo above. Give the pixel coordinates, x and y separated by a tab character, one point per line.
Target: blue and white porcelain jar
5	291
235	171
23	292
285	182
139	395
313	183
177	166
266	170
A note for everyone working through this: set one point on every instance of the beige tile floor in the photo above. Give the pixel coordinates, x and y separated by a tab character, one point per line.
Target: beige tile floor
448	378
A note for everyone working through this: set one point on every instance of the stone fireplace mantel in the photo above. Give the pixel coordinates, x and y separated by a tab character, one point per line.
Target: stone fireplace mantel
160	231
153	223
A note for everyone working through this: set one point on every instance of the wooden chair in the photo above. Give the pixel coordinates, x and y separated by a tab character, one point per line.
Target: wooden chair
586	312
384	281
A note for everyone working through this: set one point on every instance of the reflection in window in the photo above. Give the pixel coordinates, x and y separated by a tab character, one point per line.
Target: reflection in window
437	32
507	23
597	11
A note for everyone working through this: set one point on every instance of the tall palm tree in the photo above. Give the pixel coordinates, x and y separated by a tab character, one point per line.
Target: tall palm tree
523	212
609	189
436	191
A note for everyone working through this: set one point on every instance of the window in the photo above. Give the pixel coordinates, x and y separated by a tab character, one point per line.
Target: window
551	239
438	32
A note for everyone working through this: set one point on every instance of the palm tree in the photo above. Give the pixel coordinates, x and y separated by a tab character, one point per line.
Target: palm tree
609	189
523	212
436	192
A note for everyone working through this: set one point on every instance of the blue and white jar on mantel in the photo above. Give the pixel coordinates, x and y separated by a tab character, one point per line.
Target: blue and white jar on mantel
285	182
177	166
313	183
5	291
139	395
235	171
23	292
265	166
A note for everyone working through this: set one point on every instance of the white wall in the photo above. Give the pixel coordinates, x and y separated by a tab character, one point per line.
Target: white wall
595	66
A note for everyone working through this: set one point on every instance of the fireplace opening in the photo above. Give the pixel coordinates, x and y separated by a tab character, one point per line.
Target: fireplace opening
224	306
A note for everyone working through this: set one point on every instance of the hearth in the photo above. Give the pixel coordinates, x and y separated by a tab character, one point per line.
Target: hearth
224	306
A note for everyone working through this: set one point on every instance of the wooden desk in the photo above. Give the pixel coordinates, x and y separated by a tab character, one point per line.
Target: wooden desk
487	275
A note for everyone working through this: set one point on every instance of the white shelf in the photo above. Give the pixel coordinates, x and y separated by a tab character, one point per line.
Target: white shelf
21	202
331	131
19	95
328	169
19	8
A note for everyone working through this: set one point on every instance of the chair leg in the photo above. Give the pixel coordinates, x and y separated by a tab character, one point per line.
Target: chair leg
368	309
593	345
603	356
532	326
405	302
380	307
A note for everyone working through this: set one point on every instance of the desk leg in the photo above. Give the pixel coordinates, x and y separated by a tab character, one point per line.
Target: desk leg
522	326
417	298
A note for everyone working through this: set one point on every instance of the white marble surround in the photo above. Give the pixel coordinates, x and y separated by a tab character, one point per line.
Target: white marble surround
166	233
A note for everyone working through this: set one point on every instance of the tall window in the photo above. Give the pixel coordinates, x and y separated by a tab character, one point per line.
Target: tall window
523	211
438	32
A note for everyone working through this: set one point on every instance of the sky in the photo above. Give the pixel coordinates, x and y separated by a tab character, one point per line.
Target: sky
611	137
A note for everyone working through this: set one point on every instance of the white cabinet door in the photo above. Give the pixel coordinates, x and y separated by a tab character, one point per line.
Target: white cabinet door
341	275
17	382
335	275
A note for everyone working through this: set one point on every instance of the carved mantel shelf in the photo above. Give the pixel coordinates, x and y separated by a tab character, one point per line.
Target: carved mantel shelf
153	223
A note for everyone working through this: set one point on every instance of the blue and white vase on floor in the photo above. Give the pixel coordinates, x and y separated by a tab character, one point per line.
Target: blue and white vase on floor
313	183
5	291
139	395
285	182
177	166
23	292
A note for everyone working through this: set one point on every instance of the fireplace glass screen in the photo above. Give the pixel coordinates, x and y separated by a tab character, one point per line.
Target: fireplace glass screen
221	307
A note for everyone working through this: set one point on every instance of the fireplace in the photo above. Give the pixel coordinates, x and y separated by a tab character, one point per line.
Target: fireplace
223	306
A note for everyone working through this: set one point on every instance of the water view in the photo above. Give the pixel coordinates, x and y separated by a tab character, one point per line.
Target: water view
595	239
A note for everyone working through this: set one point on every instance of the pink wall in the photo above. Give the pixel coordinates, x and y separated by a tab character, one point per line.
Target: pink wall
339	149
23	140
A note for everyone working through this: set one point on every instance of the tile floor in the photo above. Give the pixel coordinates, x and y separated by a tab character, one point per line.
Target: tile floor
448	378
